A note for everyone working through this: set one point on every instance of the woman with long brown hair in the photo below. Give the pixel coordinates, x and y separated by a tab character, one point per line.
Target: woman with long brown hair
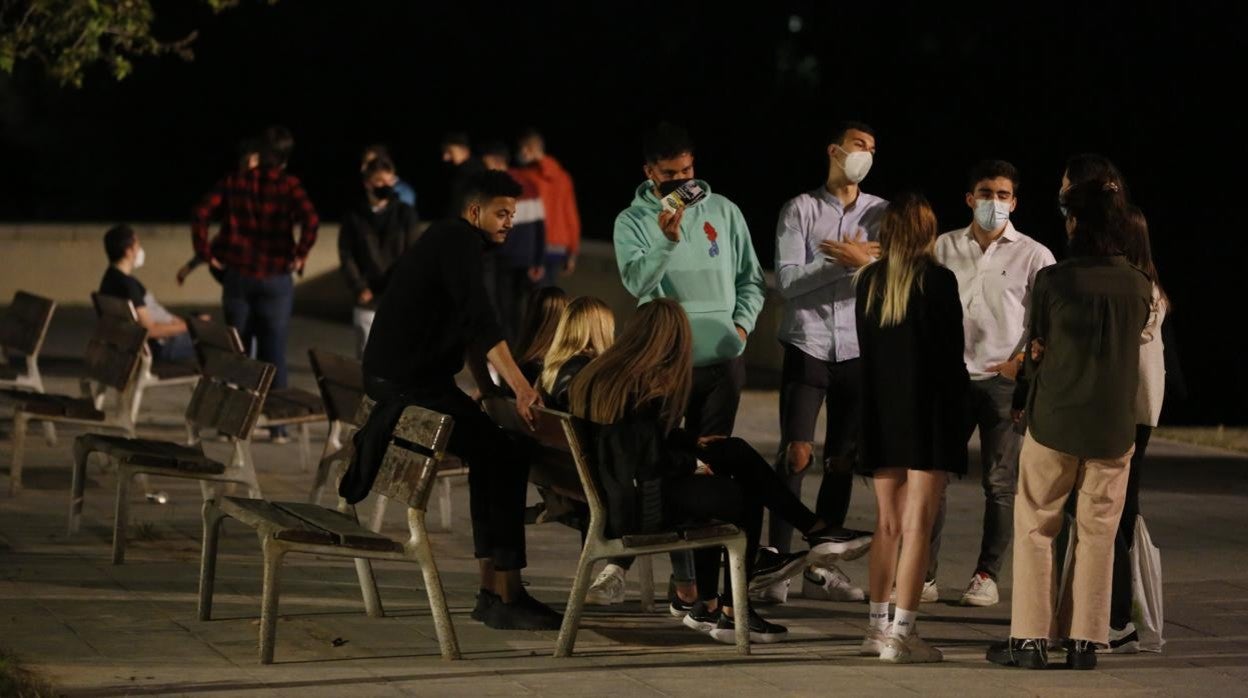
634	395
913	421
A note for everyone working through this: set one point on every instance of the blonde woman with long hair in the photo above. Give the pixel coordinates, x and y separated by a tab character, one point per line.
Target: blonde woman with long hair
635	394
914	430
585	330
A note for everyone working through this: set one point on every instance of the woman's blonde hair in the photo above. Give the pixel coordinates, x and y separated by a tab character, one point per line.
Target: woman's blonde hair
586	327
652	360
540	319
907	234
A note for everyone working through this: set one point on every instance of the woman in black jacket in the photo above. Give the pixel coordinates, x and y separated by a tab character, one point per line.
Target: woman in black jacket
634	395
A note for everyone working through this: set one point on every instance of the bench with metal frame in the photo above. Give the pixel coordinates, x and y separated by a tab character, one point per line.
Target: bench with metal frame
23	327
562	464
226	400
407	474
152	373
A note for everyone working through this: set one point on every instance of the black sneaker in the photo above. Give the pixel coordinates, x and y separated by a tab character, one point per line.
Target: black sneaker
678	607
523	613
827	545
761	630
485	601
1080	654
700	619
772	566
1029	653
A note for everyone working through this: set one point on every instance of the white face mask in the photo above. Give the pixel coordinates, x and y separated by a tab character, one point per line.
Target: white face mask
139	258
856	165
991	214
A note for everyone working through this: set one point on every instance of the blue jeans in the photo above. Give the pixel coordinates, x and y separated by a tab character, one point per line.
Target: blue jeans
260	310
175	348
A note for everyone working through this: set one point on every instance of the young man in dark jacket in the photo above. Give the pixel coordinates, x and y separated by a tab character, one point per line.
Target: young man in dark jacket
371	240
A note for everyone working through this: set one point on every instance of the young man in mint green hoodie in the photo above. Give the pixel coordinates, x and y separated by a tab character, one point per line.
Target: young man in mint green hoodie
703	258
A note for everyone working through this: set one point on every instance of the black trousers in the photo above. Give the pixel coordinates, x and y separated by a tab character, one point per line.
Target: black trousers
743	484
1120	599
806	385
497	479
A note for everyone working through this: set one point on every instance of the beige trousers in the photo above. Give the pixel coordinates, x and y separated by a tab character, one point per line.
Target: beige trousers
1045	479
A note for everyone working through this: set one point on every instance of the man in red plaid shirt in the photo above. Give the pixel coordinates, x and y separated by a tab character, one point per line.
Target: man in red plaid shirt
256	249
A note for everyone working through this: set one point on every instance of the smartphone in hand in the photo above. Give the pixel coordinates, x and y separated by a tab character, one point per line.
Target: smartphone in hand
680	195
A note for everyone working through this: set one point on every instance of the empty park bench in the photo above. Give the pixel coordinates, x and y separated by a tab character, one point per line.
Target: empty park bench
112	362
152	373
283	407
23	327
407	474
341	381
226	400
561	463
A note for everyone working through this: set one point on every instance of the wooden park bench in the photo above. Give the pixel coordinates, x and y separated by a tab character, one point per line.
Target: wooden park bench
407	474
341	381
112	362
283	406
227	400
562	464
23	327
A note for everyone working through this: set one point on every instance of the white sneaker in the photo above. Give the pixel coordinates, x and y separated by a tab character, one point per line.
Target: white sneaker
1125	641
608	588
929	594
873	643
777	593
829	584
982	591
909	650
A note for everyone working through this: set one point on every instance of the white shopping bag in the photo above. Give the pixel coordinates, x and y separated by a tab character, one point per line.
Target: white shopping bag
1146	591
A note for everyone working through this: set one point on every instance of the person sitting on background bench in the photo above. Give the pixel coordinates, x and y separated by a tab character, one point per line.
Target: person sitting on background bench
585	330
634	395
434	312
166	333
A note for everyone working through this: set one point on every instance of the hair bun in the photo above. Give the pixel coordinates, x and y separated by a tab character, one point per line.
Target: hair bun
1111	186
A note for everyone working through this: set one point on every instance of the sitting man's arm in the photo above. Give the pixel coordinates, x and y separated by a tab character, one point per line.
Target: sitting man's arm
160	330
526	397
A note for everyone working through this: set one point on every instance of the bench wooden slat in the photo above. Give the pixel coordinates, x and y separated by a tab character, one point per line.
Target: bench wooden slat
341	382
240	371
405	476
346	531
421	427
25	323
258	513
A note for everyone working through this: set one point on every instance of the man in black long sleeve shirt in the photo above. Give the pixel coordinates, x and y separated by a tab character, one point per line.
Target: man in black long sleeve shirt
435	311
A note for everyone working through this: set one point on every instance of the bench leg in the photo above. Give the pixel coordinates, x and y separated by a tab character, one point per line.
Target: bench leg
242	452
121	514
645	580
208	557
444	504
368	588
379	513
576	603
305	447
137	400
333	444
437	596
20	420
78	486
49	433
273	555
740	594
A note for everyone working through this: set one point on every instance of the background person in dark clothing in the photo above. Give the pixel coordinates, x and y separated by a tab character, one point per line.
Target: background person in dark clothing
402	189
372	238
514	269
460	165
434	312
257	249
166	333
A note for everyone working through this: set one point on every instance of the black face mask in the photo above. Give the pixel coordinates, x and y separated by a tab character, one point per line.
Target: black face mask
671	185
383	193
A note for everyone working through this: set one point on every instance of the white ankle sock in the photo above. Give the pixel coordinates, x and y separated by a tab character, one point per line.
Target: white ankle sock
903	623
878	615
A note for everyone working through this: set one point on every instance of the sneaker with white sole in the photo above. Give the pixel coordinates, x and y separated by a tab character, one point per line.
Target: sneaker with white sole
700	619
608	588
829	584
775	594
929	594
1125	641
911	649
834	543
761	630
873	643
982	591
772	566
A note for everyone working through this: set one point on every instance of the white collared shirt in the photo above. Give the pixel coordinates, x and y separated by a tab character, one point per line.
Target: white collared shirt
995	286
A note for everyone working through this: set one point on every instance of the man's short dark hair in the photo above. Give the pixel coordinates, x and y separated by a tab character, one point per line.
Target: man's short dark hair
381	163
528	135
278	143
481	187
664	142
992	169
837	135
456	138
117	241
496	149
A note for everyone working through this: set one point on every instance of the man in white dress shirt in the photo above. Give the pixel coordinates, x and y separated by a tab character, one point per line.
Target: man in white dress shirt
995	266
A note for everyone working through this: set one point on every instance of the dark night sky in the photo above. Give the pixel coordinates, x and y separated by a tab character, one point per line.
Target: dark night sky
1144	83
